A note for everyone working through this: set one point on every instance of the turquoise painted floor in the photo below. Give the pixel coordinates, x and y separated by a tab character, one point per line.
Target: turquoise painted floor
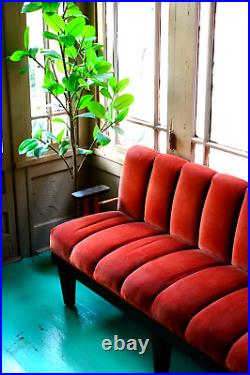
41	335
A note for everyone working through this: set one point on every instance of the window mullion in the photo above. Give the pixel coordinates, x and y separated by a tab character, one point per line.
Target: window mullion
208	99
157	74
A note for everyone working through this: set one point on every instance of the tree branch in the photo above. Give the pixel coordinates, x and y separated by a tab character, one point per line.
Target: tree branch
61	156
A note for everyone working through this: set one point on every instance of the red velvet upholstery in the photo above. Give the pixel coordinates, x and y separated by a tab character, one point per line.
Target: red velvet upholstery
161	189
112	270
237	358
134	181
175	306
240	247
219	217
143	285
176	250
87	253
65	236
215	328
188	202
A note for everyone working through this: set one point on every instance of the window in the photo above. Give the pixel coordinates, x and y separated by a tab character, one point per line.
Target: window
43	105
220	139
137	43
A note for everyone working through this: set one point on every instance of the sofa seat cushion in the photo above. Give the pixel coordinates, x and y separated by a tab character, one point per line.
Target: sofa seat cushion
237	358
112	270
215	328
175	306
65	236
143	285
88	252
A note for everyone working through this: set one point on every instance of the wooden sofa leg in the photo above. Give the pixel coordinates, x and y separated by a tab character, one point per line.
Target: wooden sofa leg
68	285
161	354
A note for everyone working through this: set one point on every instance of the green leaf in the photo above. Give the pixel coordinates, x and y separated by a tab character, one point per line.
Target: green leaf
64	146
59	136
75	26
73	10
31	7
102	139
112	83
37	131
88	31
49	79
50	7
33	52
103	67
95	131
91	57
24	69
49	35
57	89
59	66
40	150
58	119
84	101
71	82
27	145
83	151
68	40
18	55
51	53
97	108
121	115
26	37
123	101
50	136
86	115
54	21
121	85
105	93
71	52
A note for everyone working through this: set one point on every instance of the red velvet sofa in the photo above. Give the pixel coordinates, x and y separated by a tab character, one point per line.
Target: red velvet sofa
174	253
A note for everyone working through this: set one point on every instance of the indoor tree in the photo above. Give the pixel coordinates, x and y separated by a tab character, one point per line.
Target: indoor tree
72	74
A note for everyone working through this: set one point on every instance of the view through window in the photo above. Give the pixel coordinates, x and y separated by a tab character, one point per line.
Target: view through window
221	134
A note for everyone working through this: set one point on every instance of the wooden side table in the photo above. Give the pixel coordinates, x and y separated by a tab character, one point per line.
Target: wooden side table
90	197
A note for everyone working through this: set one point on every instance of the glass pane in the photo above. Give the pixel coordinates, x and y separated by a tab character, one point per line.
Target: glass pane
164	63
136	32
230	82
136	135
43	122
202	68
163	142
109	31
198	153
37	94
227	163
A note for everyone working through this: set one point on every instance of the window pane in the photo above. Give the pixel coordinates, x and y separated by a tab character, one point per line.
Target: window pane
136	32
198	153
163	142
228	163
164	63
202	68
136	134
37	94
229	102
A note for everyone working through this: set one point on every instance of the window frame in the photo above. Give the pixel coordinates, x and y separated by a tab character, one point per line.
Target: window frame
206	141
155	125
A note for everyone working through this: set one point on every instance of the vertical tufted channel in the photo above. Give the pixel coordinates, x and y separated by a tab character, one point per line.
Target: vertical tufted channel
134	180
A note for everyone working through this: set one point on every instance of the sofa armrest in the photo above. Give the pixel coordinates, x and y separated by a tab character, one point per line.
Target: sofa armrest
90	197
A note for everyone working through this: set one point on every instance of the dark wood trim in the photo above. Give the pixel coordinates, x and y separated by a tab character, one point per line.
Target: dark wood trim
162	339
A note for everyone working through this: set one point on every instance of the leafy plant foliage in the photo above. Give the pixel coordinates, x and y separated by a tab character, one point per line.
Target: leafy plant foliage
84	69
